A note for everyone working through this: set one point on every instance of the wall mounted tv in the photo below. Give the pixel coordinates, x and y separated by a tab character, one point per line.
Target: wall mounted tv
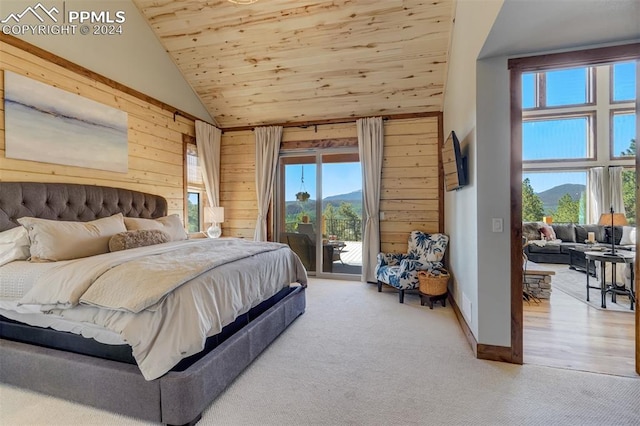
453	163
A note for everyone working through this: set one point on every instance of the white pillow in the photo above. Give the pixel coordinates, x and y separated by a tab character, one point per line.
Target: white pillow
171	224
61	240
14	245
626	235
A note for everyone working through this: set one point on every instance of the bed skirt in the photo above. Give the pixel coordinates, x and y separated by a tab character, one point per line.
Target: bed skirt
178	397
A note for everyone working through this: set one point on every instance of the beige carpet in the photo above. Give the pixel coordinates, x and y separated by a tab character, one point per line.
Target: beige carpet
359	357
574	284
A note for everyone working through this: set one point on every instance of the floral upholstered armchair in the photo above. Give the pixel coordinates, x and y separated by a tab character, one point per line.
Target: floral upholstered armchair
400	270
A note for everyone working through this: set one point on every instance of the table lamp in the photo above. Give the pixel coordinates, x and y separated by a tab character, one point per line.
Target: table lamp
216	215
613	219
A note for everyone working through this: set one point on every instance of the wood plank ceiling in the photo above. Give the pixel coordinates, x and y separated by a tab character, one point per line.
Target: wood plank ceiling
281	61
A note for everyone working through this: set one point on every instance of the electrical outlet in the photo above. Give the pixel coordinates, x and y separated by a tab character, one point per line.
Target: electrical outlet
496	224
381	215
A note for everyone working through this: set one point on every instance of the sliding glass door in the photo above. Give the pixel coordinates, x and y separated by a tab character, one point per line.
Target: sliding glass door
320	210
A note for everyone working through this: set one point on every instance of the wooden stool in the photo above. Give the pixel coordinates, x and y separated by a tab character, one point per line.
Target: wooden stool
430	299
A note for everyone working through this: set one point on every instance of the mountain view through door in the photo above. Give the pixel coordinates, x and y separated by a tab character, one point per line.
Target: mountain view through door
332	227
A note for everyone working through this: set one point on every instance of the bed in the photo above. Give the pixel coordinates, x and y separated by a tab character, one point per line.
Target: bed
148	352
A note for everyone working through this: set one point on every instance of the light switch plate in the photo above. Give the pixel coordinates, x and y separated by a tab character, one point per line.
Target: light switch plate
496	224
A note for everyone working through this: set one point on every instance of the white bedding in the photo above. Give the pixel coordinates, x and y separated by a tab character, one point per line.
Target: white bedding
177	326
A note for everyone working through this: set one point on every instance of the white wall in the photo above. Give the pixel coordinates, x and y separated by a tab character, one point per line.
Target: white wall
493	135
134	58
473	20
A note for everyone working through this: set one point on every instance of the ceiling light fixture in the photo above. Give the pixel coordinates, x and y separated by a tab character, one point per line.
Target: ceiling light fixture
243	1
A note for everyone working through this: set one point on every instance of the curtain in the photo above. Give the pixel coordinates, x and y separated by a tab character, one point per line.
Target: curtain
267	148
615	189
208	146
370	147
596	193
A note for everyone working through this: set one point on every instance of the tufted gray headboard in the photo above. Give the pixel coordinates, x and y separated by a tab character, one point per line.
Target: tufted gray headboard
65	201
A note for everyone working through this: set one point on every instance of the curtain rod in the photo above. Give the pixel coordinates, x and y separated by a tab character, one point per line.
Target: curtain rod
316	123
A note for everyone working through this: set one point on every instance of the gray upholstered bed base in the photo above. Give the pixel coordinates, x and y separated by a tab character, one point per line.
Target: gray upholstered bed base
175	398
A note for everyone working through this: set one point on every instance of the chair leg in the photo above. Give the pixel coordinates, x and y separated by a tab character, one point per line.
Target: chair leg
379	286
401	296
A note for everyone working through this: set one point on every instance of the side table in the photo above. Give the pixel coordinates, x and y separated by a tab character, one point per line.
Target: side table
618	257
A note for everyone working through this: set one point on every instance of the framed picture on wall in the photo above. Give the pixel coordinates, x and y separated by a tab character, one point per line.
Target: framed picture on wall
50	125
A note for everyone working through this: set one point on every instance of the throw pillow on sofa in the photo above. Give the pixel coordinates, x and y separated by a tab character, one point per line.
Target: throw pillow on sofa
547	232
565	232
617	234
628	235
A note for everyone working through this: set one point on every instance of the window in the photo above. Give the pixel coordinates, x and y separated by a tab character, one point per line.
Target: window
561	142
623	78
556	138
529	94
623	132
195	190
558	88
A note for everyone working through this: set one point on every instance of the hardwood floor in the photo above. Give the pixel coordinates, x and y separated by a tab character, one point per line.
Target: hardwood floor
566	333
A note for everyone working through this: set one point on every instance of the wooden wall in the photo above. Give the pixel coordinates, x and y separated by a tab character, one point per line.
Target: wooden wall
155	140
411	195
238	184
411	188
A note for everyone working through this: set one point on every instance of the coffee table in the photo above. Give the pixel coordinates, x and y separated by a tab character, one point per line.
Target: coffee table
619	257
577	260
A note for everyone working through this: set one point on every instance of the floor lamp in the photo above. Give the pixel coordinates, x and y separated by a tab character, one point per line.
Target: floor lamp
612	219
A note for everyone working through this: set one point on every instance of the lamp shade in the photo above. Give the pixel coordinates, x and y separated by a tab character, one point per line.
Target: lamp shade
618	219
216	214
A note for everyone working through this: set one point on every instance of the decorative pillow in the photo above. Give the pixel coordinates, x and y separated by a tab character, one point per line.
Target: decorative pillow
547	232
616	234
60	240
565	232
14	245
171	224
626	235
140	238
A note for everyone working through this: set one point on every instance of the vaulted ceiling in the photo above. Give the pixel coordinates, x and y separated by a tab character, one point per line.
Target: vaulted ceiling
279	61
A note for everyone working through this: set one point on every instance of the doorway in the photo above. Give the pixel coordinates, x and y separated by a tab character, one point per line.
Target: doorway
518	67
319	211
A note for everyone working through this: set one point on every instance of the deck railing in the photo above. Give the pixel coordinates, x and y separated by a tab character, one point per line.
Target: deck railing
343	229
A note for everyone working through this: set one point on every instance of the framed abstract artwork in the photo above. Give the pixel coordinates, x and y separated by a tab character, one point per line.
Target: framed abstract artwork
50	125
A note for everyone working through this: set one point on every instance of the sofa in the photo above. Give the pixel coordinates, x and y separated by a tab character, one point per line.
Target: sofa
542	248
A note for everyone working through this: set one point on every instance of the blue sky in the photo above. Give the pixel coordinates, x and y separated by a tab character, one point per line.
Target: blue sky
337	178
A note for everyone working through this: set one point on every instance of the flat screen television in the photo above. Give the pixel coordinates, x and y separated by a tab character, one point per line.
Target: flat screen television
453	163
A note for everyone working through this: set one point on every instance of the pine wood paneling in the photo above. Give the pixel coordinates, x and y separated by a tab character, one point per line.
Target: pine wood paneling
294	61
155	139
237	183
410	196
